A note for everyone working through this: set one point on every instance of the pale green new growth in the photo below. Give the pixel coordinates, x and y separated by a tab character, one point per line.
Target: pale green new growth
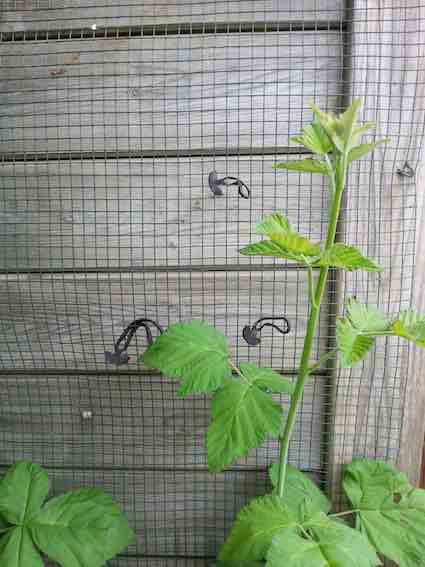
292	527
83	528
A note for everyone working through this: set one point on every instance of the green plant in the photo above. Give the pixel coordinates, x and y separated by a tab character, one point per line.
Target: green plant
292	526
82	528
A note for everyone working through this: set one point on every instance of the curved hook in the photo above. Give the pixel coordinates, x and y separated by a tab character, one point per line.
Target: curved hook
251	334
119	355
215	185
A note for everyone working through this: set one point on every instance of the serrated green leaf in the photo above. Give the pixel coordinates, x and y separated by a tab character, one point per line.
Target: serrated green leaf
284	242
300	488
18	550
255	527
362	149
266	379
304	166
329	544
84	528
352	345
347	257
278	229
194	352
391	512
314	138
355	332
243	415
410	326
23	489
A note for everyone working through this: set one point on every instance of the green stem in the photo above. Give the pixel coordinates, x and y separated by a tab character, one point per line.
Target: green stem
347	513
327	356
285	438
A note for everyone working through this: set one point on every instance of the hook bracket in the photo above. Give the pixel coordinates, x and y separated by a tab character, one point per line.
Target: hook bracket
119	355
216	185
251	334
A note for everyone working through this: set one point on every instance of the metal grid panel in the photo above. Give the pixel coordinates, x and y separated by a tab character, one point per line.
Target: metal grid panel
112	116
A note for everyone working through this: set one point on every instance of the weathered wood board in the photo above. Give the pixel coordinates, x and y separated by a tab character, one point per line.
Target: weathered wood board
164	93
19	15
135	422
380	216
174	513
146	213
70	320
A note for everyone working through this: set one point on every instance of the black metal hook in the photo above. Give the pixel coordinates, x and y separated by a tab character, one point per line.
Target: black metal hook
215	185
119	355
251	334
406	170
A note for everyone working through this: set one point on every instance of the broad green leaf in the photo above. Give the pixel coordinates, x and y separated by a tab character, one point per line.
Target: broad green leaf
23	489
329	544
194	352
242	416
362	149
366	318
266	379
300	488
255	527
410	326
84	528
278	230
304	165
314	138
347	257
272	249
355	332
283	242
18	550
274	224
352	345
391	511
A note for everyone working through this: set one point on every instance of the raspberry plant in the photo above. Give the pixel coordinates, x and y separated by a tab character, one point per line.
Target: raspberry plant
293	525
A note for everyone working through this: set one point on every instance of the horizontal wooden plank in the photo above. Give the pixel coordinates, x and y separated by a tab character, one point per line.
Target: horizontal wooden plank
168	92
59	321
173	513
132	213
57	14
132	422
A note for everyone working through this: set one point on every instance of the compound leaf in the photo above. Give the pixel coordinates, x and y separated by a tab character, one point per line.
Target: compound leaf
410	326
195	352
347	257
255	527
18	550
23	489
327	543
304	165
283	241
266	379
84	528
355	332
391	512
300	488
242	416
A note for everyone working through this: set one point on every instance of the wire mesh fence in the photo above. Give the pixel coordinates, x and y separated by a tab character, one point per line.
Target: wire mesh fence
119	122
